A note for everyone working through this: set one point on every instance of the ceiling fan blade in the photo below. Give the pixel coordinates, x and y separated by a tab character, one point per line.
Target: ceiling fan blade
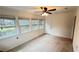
52	10
48	12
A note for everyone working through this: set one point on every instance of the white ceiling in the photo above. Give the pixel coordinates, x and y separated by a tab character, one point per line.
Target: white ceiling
36	9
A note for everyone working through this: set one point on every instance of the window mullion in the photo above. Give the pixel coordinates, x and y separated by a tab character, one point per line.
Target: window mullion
30	24
18	29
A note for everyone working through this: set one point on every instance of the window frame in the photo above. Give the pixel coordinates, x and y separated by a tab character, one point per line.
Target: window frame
8	27
24	25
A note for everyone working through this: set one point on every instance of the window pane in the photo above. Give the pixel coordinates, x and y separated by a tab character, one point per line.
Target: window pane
24	25
41	24
8	22
35	24
7	28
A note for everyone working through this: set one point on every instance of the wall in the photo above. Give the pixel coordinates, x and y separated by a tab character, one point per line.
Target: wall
12	42
76	33
60	24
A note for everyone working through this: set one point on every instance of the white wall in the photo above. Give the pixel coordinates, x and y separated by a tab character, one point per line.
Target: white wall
60	24
9	43
76	33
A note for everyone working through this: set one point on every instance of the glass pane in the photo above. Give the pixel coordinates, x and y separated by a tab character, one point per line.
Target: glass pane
1	22
24	25
7	28
41	24
8	22
35	24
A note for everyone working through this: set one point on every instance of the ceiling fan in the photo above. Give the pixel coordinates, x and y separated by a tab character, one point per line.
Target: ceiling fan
46	11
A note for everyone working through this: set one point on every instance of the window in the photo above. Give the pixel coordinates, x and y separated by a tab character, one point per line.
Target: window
7	27
35	24
24	25
41	22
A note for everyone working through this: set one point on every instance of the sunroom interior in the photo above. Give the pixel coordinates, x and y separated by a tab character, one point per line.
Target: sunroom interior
25	29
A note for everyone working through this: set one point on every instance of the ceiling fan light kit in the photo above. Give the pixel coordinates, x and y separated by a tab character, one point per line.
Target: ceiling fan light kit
45	14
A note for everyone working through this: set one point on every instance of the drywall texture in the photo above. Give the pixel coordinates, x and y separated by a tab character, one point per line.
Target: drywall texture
76	33
9	43
60	24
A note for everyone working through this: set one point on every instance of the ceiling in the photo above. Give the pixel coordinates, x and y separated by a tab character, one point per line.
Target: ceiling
36	9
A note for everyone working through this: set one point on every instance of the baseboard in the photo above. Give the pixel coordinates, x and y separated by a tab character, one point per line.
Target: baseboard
61	37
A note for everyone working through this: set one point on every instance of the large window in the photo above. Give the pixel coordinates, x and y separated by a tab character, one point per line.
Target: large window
35	24
24	25
7	27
